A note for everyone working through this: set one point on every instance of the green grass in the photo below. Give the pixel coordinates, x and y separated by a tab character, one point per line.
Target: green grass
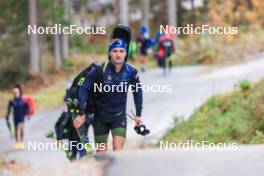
234	117
50	97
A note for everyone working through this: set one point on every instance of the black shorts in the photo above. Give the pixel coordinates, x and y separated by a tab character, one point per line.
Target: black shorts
143	51
18	120
162	62
103	125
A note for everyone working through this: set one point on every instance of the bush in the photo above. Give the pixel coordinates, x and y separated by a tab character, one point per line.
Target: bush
68	63
196	50
258	138
13	67
92	47
245	85
12	73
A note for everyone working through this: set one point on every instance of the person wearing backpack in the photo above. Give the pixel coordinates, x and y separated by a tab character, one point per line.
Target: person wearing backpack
110	109
20	109
164	51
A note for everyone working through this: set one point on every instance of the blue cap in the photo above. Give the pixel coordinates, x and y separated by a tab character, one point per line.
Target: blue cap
119	43
143	29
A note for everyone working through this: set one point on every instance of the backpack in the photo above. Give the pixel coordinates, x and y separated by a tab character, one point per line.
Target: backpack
31	105
62	126
167	45
122	32
165	48
73	91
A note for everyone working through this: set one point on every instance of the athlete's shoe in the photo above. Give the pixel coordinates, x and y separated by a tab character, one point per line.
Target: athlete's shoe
16	145
21	146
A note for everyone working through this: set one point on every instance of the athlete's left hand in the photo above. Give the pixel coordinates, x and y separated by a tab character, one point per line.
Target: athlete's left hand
138	121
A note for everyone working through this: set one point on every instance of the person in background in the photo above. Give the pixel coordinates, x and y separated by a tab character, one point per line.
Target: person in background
144	42
164	50
19	108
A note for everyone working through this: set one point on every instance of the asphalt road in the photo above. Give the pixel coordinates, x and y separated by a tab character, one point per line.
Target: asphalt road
245	161
190	86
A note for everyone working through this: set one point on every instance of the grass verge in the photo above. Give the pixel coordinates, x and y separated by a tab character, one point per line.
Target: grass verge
233	117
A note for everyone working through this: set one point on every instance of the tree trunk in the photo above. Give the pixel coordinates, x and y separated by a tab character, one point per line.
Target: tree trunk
33	39
83	14
172	12
65	46
57	51
205	10
145	4
57	45
193	12
123	12
65	37
192	6
172	15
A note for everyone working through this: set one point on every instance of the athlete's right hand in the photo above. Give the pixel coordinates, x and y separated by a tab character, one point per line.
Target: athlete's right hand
78	121
138	121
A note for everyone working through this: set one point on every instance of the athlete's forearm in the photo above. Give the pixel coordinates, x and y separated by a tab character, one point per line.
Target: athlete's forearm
137	94
8	111
138	100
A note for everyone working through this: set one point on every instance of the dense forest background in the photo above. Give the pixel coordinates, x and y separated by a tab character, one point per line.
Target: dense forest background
26	57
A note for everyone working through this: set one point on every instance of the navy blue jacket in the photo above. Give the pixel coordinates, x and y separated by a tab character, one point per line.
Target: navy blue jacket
19	108
113	102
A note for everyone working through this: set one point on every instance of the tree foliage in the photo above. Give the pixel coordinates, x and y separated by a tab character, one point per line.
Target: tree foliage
237	12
